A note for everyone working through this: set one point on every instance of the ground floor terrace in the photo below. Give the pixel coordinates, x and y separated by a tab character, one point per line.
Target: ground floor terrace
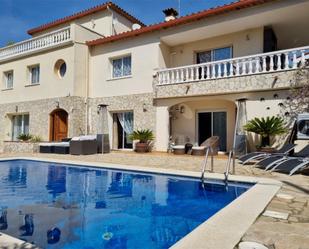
274	233
177	120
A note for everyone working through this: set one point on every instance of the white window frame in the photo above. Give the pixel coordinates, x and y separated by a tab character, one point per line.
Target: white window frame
112	66
6	79
30	68
212	52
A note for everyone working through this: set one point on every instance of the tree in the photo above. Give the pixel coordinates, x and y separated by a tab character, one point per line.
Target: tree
9	43
298	99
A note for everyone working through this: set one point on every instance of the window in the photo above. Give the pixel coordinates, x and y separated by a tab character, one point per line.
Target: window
60	68
34	74
121	67
8	78
20	125
214	55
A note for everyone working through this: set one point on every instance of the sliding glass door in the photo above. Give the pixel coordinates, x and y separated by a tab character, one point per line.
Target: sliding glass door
212	124
123	127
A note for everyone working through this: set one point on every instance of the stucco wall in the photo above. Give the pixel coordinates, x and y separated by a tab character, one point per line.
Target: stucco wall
99	22
144	53
50	84
243	43
185	123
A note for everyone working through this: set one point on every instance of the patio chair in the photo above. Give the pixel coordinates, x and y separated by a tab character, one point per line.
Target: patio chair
212	142
284	151
271	161
179	148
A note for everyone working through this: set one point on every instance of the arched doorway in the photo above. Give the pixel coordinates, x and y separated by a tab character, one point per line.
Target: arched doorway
58	127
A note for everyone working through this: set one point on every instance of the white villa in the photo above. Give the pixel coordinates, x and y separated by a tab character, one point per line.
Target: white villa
183	78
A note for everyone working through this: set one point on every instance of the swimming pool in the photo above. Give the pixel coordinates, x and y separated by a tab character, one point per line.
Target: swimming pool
64	206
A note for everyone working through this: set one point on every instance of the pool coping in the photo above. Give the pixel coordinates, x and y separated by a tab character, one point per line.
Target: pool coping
224	229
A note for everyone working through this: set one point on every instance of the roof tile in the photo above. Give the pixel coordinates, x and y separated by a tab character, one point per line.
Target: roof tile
234	6
83	14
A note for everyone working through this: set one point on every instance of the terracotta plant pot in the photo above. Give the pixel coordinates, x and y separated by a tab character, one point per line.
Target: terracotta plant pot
141	147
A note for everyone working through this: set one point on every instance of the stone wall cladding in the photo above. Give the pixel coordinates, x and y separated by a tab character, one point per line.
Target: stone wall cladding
135	102
20	147
258	82
39	111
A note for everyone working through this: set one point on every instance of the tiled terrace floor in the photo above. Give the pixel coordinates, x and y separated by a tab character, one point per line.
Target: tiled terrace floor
292	233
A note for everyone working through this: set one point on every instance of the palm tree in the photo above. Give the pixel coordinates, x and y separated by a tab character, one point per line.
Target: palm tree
266	127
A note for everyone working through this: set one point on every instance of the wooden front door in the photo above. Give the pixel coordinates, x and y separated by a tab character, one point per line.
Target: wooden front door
58	125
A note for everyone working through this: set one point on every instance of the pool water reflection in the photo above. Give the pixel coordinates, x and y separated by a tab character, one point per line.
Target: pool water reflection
63	206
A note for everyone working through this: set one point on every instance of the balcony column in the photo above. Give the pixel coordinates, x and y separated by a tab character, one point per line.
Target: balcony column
162	128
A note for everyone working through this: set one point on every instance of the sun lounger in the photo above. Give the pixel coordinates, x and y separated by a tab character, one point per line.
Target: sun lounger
46	148
62	148
55	147
291	165
284	151
272	161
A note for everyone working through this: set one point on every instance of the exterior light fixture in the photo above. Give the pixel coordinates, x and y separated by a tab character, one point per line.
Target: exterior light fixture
276	95
100	107
262	99
182	109
144	108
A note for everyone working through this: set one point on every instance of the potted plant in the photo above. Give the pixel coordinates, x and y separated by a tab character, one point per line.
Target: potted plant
266	127
144	137
25	137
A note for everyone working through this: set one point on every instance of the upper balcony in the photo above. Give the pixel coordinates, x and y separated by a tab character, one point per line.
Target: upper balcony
282	60
46	41
248	73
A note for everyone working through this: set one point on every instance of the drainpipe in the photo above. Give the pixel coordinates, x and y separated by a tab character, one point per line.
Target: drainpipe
87	93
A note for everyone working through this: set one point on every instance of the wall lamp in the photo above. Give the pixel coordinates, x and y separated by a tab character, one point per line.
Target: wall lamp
101	107
144	107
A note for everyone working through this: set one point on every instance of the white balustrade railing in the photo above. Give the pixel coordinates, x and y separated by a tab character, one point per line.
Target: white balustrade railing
37	43
241	66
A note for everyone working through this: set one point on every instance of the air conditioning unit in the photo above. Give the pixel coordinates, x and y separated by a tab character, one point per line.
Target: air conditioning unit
303	126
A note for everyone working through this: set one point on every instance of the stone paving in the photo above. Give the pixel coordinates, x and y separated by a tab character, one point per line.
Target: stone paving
293	198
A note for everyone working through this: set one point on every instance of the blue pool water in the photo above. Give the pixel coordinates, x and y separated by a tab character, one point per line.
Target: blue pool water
63	206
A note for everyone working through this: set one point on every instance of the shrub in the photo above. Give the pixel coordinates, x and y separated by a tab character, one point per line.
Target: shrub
25	137
36	139
266	127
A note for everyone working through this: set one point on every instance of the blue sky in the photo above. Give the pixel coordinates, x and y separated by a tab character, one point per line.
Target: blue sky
17	16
